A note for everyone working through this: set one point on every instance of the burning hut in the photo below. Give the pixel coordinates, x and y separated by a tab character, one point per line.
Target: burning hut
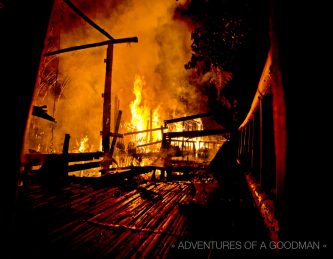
161	164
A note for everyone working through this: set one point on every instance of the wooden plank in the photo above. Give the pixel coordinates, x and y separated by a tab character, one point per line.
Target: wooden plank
191	117
195	133
91	45
143	131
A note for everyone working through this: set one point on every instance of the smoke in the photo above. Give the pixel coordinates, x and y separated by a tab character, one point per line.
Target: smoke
164	47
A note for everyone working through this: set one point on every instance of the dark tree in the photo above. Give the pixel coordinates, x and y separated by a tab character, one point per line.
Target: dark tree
229	35
221	28
217	42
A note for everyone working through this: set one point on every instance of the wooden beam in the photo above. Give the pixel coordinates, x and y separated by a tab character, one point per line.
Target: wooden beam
191	117
87	19
112	134
92	45
194	133
151	143
79	167
142	131
39	158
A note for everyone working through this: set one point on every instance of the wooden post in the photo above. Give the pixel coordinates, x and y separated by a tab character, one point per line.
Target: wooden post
147	135
252	143
107	100
260	143
183	142
151	125
65	152
116	109
66	144
247	145
245	154
164	140
241	146
114	140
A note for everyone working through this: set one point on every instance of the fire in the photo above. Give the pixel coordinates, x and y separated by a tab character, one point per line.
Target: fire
178	127
198	139
142	114
83	147
156	135
195	124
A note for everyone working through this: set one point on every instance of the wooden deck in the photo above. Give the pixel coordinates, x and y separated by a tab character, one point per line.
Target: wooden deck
89	220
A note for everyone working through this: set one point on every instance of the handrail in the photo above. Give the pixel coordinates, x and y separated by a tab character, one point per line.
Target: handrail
262	90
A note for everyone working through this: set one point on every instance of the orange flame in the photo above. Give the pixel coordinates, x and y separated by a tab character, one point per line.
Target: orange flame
143	116
156	135
83	147
198	139
140	112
